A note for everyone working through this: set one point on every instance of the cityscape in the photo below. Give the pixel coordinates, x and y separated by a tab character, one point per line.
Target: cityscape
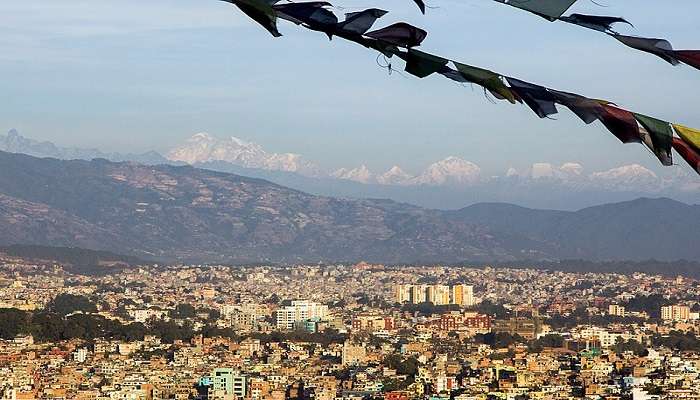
360	331
356	200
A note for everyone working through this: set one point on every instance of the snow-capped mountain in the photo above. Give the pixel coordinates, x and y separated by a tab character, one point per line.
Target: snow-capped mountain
361	174
450	171
627	177
394	176
203	147
546	171
451	182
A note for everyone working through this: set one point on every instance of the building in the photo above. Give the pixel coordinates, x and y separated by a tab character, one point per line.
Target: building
372	322
286	317
475	323
675	312
617	310
225	384
418	294
529	328
438	294
402	293
463	295
354	354
244	317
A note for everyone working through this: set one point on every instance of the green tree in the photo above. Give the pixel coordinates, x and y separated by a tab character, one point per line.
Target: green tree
66	303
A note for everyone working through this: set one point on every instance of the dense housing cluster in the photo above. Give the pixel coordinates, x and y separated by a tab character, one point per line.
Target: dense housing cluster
345	332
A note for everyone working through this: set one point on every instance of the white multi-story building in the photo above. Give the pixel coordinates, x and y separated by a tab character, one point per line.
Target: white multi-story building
285	317
402	293
438	294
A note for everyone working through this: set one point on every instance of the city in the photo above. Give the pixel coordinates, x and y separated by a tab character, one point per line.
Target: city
356	200
357	331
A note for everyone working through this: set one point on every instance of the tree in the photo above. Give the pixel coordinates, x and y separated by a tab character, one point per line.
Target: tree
408	366
183	311
66	303
538	345
13	322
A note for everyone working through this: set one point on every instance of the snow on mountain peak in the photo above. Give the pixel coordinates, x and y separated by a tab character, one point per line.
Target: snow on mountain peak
394	176
628	177
451	170
569	171
361	174
202	147
572	168
632	171
201	136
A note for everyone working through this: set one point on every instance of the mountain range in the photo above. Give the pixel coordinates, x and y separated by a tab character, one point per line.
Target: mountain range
450	183
191	214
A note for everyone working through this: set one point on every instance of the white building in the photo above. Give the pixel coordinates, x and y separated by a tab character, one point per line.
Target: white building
285	317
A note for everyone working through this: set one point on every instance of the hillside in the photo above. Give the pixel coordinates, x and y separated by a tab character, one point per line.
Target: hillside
661	229
184	213
192	214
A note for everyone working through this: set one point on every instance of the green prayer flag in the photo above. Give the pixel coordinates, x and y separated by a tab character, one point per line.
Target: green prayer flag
660	139
488	79
422	64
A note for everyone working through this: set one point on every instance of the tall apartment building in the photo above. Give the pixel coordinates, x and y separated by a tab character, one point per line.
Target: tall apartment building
285	317
418	294
436	294
402	293
463	295
615	309
675	312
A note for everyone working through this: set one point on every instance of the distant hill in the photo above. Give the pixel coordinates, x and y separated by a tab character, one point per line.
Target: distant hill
74	259
13	142
661	229
190	214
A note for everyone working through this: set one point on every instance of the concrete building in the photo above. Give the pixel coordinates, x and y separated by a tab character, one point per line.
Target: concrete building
225	384
617	310
675	312
285	317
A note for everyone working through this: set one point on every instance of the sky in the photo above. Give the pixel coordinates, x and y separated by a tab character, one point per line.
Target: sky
134	75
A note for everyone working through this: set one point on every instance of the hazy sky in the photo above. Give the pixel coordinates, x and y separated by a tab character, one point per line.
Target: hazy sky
135	75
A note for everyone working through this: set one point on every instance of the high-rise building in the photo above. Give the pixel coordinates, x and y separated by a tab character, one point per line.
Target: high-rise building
418	294
675	312
463	295
285	317
402	293
441	294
